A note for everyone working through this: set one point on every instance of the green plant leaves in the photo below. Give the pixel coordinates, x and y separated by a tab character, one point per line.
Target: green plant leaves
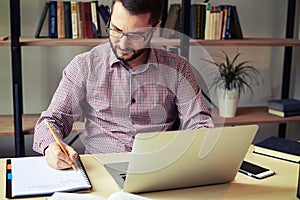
235	75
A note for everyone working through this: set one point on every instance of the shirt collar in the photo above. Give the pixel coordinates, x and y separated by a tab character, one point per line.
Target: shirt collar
152	60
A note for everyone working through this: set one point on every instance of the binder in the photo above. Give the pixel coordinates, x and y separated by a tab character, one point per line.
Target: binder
32	176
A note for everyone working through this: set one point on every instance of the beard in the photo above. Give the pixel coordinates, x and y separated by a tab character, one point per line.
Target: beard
128	54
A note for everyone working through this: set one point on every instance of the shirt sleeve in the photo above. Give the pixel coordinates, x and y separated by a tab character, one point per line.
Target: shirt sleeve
64	108
193	112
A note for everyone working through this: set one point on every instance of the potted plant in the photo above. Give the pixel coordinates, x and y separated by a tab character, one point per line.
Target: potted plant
233	79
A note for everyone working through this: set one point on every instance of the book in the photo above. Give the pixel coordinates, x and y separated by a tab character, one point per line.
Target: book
32	176
41	20
235	26
95	19
203	7
280	148
68	20
280	113
226	29
224	21
208	23
113	196
193	21
87	19
284	104
74	19
52	25
79	19
102	24
104	12
61	31
174	13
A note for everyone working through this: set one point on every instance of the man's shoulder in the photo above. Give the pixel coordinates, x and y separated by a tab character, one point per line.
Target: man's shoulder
101	48
97	53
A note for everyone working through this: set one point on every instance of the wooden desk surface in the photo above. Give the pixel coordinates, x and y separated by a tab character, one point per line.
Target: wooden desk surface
281	186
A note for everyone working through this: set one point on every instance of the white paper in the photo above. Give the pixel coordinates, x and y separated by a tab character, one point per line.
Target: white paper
32	175
113	196
73	196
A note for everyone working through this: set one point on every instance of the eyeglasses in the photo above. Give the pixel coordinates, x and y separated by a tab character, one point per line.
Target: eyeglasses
133	37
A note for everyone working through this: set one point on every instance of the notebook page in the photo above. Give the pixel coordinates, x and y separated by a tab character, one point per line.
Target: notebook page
32	175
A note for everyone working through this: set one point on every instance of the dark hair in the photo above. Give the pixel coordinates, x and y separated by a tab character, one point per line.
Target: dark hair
136	7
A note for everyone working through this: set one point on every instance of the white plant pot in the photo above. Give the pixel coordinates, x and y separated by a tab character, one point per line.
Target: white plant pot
228	102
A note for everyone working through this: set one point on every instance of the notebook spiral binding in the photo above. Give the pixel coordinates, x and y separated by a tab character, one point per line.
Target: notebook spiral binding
83	171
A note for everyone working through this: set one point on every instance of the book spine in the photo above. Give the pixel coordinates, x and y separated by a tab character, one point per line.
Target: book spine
214	23
284	113
202	20
174	13
61	32
41	21
224	22
193	21
102	24
74	20
52	27
68	21
235	26
227	27
207	23
284	105
95	22
87	20
104	13
79	19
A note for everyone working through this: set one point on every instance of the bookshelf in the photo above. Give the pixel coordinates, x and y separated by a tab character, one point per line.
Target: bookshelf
16	42
257	42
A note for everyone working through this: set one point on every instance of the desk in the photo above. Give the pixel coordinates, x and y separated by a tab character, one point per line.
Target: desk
281	186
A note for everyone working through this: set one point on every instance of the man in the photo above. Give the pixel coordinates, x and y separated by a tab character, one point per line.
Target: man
122	88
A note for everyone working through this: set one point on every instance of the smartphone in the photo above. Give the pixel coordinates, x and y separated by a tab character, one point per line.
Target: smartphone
255	171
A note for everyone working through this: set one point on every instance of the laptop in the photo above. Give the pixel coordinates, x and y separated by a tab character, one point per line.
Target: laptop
181	159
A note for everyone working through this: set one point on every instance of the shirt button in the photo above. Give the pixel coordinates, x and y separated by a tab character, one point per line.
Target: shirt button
133	100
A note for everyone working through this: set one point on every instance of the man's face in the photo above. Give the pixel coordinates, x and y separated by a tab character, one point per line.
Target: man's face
127	48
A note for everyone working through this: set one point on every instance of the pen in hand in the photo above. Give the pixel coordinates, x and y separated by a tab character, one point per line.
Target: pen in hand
58	142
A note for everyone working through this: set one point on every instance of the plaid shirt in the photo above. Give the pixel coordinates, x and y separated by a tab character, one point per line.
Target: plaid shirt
118	102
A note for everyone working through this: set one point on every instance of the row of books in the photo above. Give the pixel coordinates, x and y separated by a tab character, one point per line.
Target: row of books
284	107
210	22
74	19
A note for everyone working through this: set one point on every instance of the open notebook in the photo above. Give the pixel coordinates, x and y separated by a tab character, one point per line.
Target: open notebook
32	176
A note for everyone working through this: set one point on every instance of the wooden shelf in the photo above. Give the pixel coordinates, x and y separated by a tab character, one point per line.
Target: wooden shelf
251	115
28	121
5	43
246	115
280	42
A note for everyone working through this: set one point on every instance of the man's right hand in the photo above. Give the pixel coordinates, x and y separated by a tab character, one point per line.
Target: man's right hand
56	158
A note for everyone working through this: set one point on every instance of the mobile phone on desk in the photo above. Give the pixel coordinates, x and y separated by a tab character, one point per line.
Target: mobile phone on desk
255	171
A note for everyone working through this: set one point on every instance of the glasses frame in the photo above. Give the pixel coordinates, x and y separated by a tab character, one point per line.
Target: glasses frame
122	34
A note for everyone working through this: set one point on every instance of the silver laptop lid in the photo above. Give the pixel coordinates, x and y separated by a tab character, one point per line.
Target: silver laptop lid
177	159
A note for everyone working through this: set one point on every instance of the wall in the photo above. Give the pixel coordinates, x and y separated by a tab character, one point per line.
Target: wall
42	66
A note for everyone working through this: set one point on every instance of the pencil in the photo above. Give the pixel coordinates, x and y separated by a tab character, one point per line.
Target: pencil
58	142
